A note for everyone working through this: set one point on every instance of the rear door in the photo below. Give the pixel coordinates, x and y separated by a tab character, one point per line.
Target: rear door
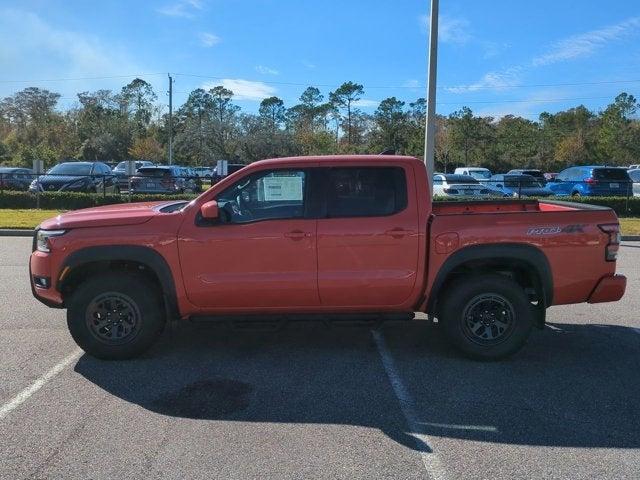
368	242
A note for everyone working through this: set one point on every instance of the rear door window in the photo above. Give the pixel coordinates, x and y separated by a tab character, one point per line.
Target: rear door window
365	191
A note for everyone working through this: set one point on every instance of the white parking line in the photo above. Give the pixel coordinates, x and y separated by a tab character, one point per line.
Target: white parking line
24	395
430	459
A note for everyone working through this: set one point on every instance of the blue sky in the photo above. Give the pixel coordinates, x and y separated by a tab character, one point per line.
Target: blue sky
497	57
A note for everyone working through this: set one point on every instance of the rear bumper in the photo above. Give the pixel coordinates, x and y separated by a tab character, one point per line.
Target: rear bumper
609	289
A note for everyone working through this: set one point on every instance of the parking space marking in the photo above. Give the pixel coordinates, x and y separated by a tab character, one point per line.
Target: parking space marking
430	459
24	395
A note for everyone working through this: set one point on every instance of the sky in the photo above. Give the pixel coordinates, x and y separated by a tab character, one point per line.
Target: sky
497	57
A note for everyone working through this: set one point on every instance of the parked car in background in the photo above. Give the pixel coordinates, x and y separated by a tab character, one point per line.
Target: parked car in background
478	173
120	171
194	182
516	185
538	174
15	178
231	168
87	177
634	167
204	172
592	181
461	185
635	178
160	180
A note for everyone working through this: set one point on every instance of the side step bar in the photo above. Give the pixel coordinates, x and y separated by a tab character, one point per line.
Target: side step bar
278	322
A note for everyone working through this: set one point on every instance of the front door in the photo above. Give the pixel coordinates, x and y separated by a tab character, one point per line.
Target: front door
368	246
262	252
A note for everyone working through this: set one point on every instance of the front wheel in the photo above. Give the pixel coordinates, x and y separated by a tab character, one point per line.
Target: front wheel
115	316
487	317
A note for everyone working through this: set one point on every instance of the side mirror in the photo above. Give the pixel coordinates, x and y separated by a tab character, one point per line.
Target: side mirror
209	210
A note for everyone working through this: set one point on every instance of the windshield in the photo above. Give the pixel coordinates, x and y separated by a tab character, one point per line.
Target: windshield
480	174
611	174
460	179
154	172
522	181
71	169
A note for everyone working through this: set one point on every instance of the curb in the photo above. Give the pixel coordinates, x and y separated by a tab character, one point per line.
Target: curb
10	232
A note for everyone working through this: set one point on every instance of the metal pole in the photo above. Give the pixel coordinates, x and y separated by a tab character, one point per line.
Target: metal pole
430	128
170	119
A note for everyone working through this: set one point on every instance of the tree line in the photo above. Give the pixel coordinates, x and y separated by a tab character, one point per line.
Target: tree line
113	126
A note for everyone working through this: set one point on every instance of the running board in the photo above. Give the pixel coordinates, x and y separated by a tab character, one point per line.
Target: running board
278	322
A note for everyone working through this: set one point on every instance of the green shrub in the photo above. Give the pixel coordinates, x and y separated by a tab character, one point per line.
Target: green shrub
74	200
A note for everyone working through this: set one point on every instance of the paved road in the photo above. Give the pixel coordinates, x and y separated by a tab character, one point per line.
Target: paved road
315	403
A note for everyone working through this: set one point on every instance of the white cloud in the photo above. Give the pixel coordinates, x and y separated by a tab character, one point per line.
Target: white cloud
308	65
244	89
266	70
585	44
568	49
412	83
366	103
492	81
182	8
209	39
450	30
31	48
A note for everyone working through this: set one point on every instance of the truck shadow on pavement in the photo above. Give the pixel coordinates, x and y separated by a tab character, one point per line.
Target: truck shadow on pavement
572	386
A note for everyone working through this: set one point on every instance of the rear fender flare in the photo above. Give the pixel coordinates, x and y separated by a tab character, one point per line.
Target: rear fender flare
526	254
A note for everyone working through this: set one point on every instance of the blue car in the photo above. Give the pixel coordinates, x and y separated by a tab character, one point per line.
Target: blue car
592	181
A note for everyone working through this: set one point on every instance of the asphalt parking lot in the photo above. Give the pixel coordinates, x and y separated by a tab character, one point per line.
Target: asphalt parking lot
311	402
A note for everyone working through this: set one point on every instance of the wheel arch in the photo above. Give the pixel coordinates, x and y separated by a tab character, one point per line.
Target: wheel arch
144	260
527	262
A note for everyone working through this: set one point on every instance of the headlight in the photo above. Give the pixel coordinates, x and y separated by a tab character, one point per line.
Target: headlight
42	239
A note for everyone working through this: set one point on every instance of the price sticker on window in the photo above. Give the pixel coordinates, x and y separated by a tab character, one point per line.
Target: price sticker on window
282	189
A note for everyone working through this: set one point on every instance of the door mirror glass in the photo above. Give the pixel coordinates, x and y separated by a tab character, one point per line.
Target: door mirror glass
209	210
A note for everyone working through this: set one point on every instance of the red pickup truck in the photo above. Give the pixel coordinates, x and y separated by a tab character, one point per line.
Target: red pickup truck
339	238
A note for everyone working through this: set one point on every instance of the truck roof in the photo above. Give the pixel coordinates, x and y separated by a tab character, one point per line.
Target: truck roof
339	158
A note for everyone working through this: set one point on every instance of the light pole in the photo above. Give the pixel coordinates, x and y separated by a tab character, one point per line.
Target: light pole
430	127
170	119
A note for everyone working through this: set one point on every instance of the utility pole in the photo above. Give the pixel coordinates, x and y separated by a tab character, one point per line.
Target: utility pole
170	119
430	127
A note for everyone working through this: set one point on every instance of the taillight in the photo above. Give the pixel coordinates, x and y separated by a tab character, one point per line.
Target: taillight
590	181
611	250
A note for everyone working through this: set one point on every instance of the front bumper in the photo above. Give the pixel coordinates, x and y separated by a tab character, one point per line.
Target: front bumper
40	267
609	289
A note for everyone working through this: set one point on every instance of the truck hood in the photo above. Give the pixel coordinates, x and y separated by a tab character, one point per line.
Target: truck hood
107	216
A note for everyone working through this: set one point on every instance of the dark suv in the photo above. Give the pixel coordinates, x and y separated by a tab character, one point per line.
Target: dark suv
88	177
161	179
120	171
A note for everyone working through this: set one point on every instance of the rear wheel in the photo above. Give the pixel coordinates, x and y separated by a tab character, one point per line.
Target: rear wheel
487	316
115	316
576	194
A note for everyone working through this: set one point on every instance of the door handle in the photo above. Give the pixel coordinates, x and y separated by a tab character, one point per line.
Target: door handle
297	235
398	232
